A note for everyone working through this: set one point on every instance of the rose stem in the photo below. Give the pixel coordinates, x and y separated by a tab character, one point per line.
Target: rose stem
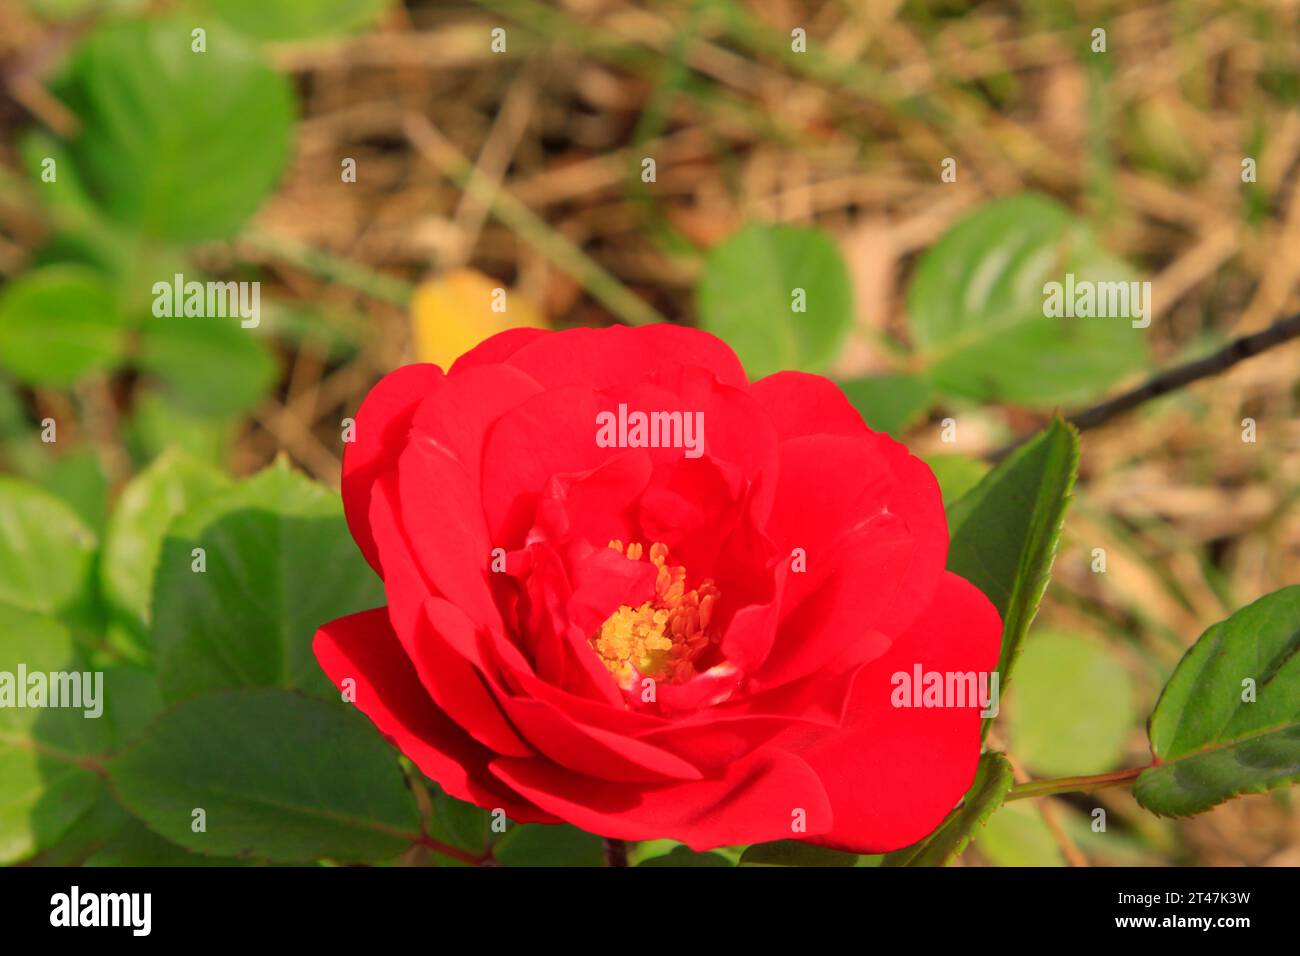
1043	788
615	852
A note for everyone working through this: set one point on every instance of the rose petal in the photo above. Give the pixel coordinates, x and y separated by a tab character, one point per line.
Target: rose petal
596	753
764	796
599	358
363	648
496	348
831	486
829	611
435	635
382	424
895	772
458	416
802	404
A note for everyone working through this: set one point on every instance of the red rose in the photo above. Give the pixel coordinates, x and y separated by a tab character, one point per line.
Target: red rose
700	641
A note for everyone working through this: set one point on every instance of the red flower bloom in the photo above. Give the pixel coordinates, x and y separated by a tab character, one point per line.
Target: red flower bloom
699	642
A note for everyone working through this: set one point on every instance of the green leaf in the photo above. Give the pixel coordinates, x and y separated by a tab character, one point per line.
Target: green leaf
66	9
47	786
156	424
173	484
1152	843
1210	743
78	479
540	844
47	554
684	856
296	19
93	829
1017	835
134	844
79	231
212	365
278	776
956	475
177	144
795	853
1004	531
13	414
458	823
889	403
746	297
1073	707
993	779
133	702
57	324
279	563
976	307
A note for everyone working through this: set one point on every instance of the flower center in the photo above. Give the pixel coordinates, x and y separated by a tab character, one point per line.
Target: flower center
662	638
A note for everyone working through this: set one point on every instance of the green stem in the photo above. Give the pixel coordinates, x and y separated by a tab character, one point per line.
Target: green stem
1085	784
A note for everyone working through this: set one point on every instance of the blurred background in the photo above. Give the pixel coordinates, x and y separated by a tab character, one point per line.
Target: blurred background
383	169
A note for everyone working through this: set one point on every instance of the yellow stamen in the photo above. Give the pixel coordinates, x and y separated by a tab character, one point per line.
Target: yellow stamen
663	637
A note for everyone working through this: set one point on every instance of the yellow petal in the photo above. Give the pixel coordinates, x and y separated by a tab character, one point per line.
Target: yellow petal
455	312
